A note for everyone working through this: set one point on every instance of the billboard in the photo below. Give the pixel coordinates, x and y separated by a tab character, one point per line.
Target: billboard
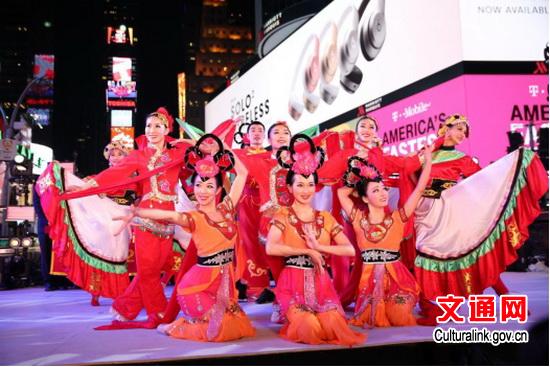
125	134
122	69
329	65
121	89
44	69
40	115
121	118
120	35
494	105
181	96
354	52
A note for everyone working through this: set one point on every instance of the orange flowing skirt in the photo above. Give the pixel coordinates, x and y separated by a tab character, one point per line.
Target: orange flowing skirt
207	297
393	300
312	310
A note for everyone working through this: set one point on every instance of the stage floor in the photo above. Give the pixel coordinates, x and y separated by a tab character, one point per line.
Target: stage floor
45	328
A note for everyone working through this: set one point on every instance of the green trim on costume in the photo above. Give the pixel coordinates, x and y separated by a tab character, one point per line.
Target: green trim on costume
78	248
441	156
489	243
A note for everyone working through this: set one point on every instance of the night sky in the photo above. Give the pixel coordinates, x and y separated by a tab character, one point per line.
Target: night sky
81	128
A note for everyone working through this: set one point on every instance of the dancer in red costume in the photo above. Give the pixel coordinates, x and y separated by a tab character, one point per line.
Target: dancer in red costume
302	235
153	238
387	291
206	292
273	193
252	268
467	233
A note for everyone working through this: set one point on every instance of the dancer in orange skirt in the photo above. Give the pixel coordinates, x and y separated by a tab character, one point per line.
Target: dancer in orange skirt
206	292
309	303
387	291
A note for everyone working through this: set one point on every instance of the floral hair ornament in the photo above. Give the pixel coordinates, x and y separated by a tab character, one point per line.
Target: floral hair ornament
206	165
301	159
360	170
451	121
121	145
162	114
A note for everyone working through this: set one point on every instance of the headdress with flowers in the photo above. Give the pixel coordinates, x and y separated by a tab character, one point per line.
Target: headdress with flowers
205	165
451	121
124	146
359	170
304	161
163	115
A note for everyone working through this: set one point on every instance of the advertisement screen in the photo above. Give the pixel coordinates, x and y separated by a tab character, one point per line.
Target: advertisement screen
121	89
122	69
43	68
329	66
339	60
40	115
504	30
493	104
121	118
41	156
120	35
124	134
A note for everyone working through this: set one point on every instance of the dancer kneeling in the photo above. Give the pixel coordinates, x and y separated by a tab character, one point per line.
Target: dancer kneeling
206	292
387	291
310	305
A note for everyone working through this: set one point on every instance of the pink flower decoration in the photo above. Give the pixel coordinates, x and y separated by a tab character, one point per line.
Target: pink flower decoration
368	172
305	163
206	167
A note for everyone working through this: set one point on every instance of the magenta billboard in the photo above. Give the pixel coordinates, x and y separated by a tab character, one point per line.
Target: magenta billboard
494	104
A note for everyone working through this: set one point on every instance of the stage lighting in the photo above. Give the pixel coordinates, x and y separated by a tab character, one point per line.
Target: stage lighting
15	242
26	242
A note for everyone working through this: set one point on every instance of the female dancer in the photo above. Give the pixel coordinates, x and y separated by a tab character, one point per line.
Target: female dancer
387	291
206	292
467	234
153	239
309	303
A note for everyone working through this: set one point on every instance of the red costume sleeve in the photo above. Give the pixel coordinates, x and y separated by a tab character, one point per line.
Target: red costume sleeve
469	167
125	169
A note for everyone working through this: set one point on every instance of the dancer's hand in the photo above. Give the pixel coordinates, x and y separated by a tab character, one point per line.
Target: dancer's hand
179	141
125	220
311	238
76	188
427	152
318	261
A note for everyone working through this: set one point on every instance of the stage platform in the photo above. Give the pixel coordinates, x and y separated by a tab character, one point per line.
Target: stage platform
45	328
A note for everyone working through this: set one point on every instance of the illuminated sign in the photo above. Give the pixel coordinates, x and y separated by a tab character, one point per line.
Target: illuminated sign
123	103
120	35
41	156
40	101
124	134
121	89
181	96
44	66
122	69
43	69
40	115
121	118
